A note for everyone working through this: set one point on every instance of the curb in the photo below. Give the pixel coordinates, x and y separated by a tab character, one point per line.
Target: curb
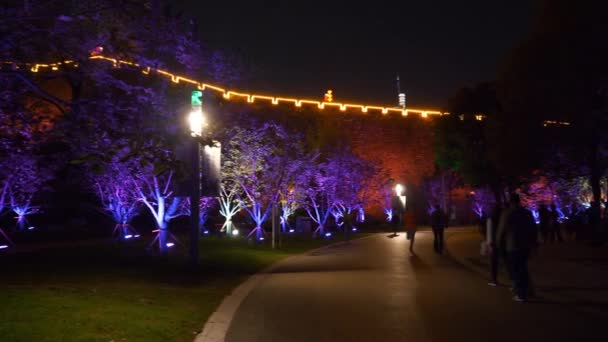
217	324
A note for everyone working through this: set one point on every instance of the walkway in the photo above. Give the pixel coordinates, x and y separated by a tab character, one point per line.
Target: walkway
372	290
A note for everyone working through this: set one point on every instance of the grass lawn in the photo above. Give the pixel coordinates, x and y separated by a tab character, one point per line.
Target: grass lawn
116	292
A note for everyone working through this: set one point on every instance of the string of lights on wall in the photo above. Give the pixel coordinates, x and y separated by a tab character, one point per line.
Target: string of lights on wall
252	98
234	95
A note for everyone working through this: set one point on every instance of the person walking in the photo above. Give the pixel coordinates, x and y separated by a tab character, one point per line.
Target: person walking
517	231
410	227
493	250
438	223
554	227
544	218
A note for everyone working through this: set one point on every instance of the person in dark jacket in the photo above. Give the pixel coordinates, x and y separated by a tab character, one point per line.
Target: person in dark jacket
494	252
438	223
545	221
517	232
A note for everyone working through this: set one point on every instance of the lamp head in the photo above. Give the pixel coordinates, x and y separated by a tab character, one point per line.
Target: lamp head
399	189
197	121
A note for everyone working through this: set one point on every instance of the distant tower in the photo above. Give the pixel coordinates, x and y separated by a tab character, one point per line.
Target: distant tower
400	95
329	96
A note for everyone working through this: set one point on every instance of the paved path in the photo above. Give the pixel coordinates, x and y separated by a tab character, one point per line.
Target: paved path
372	290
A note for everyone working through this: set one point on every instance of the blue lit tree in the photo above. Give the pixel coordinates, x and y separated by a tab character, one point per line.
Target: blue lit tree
205	205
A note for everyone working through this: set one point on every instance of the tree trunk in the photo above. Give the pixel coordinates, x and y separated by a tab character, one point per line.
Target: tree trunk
163	237
594	180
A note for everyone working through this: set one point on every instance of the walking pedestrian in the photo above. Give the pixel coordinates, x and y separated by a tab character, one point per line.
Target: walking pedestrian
493	250
572	223
554	227
410	226
438	223
544	218
518	232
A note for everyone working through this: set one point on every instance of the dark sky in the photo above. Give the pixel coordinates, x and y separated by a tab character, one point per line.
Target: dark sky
302	49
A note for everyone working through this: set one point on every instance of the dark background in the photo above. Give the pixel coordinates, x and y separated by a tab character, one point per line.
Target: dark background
304	48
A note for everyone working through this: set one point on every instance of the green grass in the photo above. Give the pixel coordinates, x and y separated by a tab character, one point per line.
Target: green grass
117	292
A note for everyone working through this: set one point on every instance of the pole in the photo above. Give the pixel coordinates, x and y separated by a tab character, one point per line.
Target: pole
196	103
194	203
274	225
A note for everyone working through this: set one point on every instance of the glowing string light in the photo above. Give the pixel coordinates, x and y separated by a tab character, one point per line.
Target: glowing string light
230	95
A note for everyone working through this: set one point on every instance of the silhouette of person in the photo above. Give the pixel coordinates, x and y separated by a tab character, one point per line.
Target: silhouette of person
554	227
410	226
438	223
491	241
517	232
544	218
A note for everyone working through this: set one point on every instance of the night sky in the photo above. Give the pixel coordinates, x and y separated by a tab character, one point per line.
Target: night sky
357	50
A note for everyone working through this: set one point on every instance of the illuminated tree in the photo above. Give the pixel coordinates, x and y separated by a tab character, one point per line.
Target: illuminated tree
290	201
156	193
260	162
114	189
205	205
331	186
559	74
229	206
388	193
27	180
483	201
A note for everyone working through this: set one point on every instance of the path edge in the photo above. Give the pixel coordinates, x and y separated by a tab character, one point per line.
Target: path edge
217	324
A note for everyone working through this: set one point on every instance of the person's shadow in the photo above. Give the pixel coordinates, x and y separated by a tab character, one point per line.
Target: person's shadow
417	264
393	235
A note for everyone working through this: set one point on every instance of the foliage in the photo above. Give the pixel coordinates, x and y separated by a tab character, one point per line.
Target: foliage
262	161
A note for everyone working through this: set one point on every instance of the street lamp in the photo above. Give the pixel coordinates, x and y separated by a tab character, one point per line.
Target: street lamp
197	122
400	192
196	117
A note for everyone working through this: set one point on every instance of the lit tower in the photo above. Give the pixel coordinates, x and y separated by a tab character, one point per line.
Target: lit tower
400	95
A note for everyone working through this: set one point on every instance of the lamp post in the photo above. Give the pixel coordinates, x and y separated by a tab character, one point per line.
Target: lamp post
197	121
399	191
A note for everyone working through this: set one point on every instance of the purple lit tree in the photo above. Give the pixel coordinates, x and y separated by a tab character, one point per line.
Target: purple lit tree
27	180
4	188
114	189
258	160
483	201
388	193
205	204
290	201
229	206
318	182
356	185
332	186
155	191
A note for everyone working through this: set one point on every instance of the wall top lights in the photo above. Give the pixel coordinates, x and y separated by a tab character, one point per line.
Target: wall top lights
234	95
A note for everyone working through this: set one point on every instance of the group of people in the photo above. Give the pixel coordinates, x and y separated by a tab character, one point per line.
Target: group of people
511	235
